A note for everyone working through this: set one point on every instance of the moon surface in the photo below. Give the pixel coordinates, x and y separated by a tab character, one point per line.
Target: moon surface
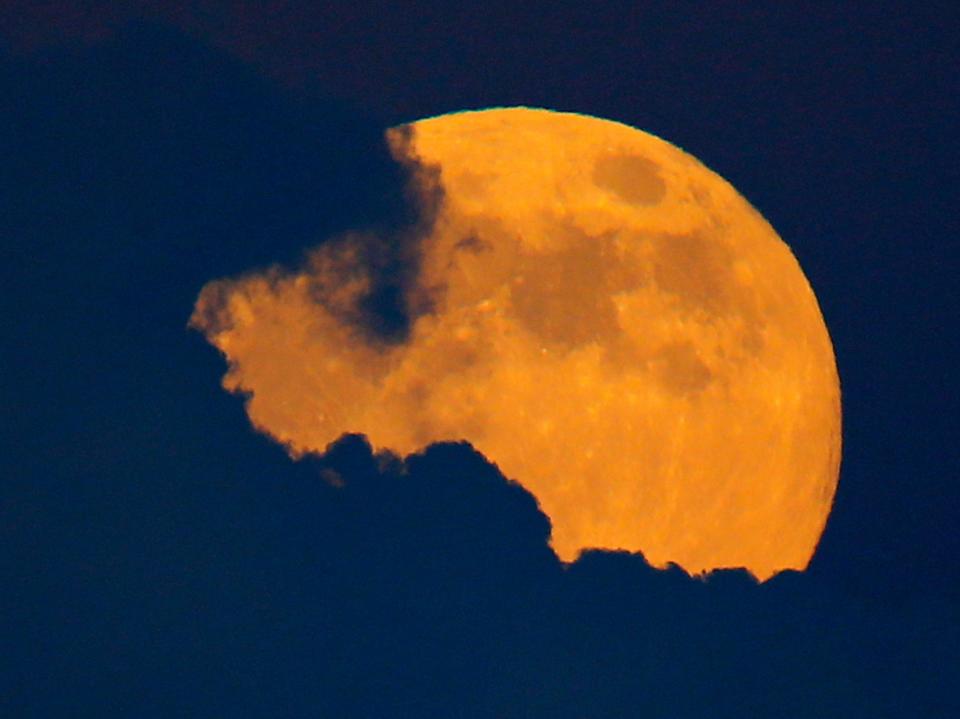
594	310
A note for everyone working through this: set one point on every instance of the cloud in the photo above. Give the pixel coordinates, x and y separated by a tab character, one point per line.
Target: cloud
442	597
312	347
494	625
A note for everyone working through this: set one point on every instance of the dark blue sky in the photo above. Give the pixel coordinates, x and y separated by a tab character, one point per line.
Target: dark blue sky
159	558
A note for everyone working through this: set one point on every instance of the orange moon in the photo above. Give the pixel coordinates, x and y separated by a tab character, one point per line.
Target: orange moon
609	321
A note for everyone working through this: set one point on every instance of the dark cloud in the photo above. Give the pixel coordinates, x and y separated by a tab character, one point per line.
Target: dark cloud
387	254
470	582
424	587
158	558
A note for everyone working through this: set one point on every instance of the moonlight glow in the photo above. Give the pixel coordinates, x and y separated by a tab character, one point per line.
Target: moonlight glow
599	314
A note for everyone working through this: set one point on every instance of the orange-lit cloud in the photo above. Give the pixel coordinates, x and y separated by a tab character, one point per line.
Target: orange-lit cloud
315	347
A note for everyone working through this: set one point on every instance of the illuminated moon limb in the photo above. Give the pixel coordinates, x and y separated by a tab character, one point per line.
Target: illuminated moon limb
613	325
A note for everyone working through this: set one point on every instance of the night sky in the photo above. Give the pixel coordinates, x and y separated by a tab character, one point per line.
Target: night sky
158	557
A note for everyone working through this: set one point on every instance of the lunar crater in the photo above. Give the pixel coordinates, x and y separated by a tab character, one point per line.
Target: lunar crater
632	178
473	243
679	369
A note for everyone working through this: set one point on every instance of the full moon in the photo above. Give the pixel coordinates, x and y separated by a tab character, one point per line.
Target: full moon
595	311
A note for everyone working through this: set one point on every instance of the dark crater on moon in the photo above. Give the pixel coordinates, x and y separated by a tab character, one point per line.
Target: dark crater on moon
632	178
565	297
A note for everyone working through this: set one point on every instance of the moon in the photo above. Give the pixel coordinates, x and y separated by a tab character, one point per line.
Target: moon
598	313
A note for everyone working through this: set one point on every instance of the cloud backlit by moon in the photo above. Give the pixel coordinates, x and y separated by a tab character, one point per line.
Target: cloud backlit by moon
591	308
